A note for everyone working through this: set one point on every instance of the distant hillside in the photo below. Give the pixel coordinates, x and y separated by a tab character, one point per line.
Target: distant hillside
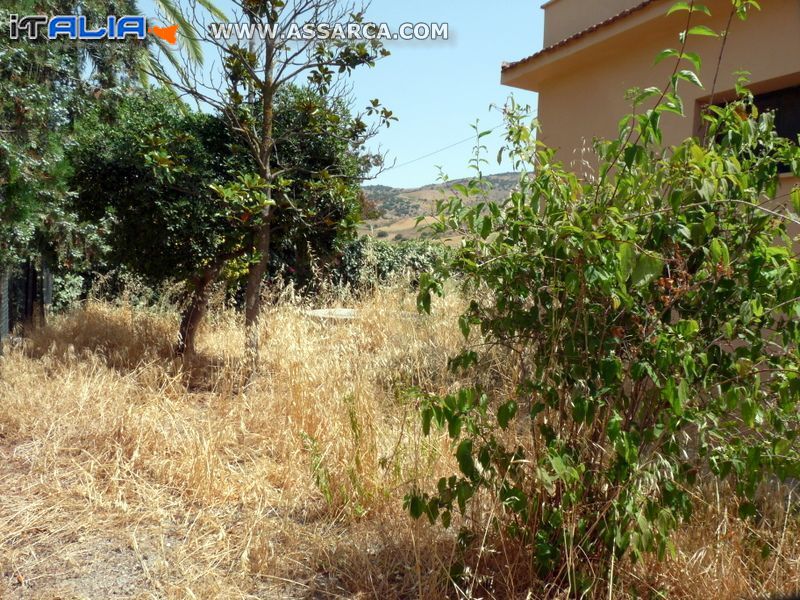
401	207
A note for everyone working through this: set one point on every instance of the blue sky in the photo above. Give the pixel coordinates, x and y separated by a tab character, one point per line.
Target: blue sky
438	89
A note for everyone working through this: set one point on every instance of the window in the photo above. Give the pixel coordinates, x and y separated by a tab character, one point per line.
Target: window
786	104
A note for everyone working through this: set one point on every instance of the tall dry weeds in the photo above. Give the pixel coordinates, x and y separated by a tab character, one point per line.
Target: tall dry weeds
126	472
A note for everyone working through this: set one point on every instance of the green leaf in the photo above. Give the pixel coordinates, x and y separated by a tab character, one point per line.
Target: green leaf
432	510
514	498
416	506
703	30
506	412
464	492
427	285
454	426
671	394
610	370
463	324
646	270
679	6
707	189
687	328
689	76
720	253
666	53
446	518
424	301
749	411
486	227
728	329
686	6
465	460
427	415
580	409
695	59
683	392
709	222
626	257
796	199
466	398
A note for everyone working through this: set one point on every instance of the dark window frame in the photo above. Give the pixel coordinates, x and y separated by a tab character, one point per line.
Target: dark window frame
767	96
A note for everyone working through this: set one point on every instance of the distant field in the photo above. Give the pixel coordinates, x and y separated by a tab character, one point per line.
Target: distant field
401	207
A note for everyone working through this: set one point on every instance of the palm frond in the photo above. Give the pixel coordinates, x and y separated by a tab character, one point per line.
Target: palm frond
151	66
214	10
158	69
173	11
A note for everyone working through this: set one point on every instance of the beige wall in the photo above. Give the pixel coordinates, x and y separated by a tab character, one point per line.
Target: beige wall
564	18
582	85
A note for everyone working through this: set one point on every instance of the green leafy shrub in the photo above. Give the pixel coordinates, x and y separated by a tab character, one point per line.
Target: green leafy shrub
651	320
161	217
67	290
366	262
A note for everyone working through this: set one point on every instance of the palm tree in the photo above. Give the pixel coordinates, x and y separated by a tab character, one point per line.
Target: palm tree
191	39
108	62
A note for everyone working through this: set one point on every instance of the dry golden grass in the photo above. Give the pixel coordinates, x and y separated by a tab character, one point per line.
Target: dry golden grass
212	489
125	472
720	556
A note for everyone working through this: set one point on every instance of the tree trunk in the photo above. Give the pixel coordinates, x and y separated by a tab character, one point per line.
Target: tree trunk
252	302
255	276
194	313
3	307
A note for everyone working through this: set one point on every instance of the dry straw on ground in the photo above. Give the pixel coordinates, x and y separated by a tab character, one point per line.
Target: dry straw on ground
125	472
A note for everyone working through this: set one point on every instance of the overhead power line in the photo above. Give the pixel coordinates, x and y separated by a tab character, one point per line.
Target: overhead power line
440	150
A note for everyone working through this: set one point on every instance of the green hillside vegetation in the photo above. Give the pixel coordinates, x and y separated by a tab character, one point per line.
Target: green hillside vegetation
401	207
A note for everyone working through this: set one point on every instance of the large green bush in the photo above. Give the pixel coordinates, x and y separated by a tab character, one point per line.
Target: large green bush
366	261
178	198
651	315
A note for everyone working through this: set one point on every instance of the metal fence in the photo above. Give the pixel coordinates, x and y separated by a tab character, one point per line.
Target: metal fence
26	293
4	304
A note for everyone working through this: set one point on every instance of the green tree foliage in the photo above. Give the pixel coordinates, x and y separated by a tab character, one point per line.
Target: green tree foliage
245	92
45	88
180	199
319	201
34	103
144	172
653	315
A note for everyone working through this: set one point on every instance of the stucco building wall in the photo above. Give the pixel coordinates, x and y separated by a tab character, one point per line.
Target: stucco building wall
582	84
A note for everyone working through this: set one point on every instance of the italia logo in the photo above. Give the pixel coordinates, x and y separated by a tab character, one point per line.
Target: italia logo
75	27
